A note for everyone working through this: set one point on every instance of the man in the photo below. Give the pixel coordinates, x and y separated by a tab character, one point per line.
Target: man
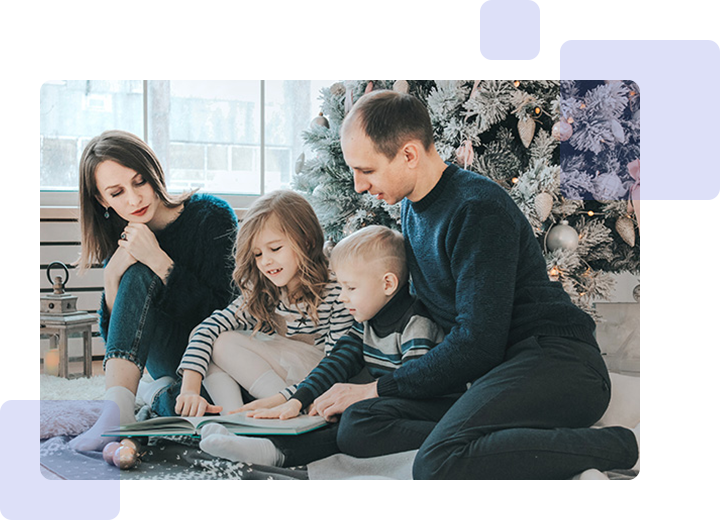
538	381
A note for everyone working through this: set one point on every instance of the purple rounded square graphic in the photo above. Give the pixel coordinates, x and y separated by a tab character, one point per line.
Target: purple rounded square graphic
510	30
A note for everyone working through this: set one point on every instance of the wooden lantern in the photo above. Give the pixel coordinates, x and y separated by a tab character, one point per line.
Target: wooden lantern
59	318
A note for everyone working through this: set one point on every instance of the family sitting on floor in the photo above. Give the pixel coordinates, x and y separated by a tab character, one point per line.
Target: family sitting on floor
478	360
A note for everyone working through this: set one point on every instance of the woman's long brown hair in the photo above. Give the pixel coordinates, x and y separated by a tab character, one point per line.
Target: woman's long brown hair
99	235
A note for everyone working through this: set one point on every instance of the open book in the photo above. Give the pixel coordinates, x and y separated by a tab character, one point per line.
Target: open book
237	423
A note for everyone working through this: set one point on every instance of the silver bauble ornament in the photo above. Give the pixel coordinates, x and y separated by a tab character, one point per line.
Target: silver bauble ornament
337	89
562	236
636	293
321	120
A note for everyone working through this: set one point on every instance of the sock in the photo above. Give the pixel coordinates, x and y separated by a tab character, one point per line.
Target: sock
219	442
147	390
223	390
268	384
591	474
113	415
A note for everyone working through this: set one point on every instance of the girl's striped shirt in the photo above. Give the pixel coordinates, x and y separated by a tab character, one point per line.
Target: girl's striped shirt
333	322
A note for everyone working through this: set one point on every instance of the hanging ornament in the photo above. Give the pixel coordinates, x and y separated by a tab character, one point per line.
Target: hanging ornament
634	200
543	205
608	186
337	89
299	163
562	236
465	153
636	293
626	230
321	120
617	131
401	86
526	129
562	130
349	95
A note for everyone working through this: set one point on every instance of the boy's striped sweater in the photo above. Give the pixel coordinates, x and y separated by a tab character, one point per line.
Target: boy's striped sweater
399	333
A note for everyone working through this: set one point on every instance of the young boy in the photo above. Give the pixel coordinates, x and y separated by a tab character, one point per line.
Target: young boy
391	329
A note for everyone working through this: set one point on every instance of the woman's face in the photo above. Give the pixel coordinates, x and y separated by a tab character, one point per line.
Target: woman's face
127	192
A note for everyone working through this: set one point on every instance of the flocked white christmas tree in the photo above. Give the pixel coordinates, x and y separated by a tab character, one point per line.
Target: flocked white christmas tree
567	153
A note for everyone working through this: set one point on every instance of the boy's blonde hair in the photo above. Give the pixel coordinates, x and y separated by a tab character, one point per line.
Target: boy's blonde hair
298	222
373	243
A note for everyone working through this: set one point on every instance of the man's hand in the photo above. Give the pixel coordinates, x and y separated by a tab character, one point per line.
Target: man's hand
336	400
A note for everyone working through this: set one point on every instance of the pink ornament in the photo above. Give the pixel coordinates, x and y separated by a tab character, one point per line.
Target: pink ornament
131	443
125	457
465	153
109	451
634	202
562	130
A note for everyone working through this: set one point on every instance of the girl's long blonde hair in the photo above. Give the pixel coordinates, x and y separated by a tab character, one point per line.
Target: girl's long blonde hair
299	223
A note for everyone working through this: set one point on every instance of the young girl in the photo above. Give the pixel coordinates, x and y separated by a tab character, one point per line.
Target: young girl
287	318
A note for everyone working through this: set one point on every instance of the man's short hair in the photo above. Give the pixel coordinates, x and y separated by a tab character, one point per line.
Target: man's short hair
373	243
390	119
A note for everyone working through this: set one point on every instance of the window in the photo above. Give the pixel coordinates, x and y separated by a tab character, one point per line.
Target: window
238	138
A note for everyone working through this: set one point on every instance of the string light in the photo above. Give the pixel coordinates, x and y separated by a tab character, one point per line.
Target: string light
537	111
516	83
515	180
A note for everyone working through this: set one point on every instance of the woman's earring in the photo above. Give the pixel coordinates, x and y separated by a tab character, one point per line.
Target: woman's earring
107	214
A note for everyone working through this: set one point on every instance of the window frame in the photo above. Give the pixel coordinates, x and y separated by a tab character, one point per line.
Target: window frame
69	198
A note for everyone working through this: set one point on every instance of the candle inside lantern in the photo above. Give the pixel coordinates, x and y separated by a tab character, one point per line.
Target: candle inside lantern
52	362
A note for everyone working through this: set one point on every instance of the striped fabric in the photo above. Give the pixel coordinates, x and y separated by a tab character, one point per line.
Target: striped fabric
334	322
401	332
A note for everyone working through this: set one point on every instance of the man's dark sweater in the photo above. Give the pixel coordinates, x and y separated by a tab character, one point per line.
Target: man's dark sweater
478	268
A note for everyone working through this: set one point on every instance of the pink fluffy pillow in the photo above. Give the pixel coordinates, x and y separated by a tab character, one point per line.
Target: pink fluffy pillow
67	417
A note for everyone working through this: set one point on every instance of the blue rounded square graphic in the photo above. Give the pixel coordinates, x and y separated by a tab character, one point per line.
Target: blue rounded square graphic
510	30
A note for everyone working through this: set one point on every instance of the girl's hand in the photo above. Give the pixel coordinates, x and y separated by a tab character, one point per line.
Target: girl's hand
262	404
138	240
287	410
194	405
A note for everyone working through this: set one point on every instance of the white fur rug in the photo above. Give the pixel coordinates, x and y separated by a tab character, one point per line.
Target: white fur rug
83	388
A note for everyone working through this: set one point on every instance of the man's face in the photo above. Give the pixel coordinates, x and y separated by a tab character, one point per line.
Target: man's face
373	172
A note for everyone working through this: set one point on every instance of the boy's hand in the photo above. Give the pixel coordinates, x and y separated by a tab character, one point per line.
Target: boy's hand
286	410
194	405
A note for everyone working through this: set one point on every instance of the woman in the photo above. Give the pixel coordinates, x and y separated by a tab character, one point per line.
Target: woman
168	265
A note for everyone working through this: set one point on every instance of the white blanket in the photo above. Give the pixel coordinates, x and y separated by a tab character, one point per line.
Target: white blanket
397	466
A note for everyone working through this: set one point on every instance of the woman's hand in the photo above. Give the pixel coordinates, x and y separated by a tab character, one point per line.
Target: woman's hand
114	269
340	396
286	410
194	405
139	240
